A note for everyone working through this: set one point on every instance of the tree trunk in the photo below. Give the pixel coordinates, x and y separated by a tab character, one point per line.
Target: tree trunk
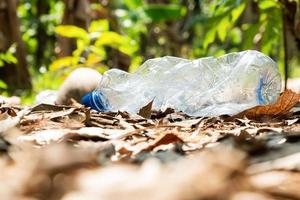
291	18
117	59
15	75
77	13
43	39
291	33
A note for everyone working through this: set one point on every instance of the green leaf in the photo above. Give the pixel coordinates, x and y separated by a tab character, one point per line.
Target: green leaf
81	46
70	31
100	51
93	59
267	4
3	85
161	12
136	62
132	4
209	37
235	35
115	40
99	26
8	56
109	38
223	28
63	62
236	13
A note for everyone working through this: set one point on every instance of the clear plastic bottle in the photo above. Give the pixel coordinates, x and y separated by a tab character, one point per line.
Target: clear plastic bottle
202	87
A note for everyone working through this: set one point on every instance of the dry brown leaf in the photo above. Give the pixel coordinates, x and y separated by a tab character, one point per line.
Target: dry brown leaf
7	111
284	104
166	139
74	137
146	110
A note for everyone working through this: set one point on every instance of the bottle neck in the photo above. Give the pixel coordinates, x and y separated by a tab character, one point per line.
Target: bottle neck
97	101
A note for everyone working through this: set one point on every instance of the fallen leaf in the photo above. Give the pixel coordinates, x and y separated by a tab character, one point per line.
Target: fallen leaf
6	112
9	118
166	139
75	137
279	109
48	136
49	107
146	110
291	121
161	114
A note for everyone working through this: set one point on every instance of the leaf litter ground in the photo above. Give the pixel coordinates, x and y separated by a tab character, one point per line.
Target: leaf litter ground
71	152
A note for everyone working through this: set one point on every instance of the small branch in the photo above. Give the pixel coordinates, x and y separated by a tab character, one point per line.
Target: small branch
285	46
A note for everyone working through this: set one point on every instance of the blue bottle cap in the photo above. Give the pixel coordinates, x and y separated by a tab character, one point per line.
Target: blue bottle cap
96	100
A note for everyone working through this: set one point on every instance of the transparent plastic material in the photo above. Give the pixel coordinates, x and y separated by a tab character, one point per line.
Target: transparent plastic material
202	87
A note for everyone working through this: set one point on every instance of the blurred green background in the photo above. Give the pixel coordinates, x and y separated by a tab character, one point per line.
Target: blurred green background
42	41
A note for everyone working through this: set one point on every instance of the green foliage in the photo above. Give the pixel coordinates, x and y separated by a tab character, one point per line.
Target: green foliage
72	32
91	45
225	28
33	21
223	20
3	86
8	56
157	12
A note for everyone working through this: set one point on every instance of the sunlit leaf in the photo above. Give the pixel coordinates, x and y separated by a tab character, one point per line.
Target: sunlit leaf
115	40
209	37
127	49
63	62
223	28
101	68
161	12
81	46
136	61
93	59
236	13
235	35
99	26
266	4
100	51
8	56
70	31
109	38
219	52
132	4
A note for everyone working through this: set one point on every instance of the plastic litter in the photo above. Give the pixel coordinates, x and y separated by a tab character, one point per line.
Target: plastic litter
203	87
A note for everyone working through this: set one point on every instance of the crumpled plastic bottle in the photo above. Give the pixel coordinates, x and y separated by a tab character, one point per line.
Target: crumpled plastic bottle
203	87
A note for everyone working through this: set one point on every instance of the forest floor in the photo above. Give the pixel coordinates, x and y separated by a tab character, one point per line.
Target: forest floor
54	152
